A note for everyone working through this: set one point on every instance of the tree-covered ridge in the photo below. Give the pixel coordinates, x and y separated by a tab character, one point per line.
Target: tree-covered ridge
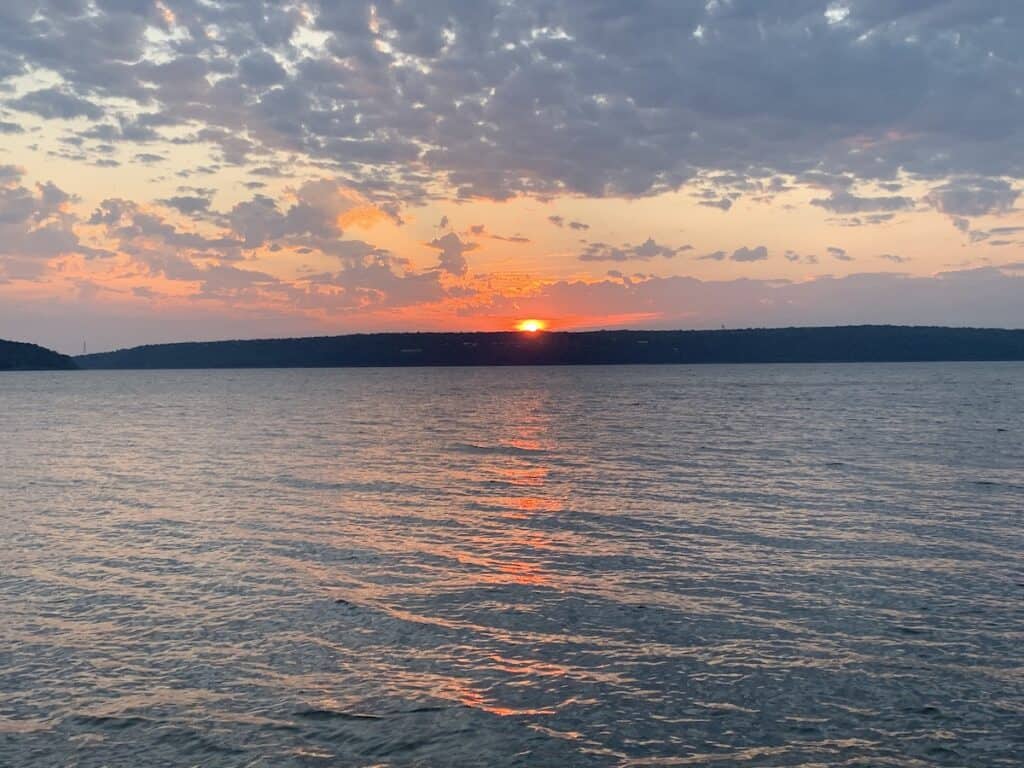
17	356
781	345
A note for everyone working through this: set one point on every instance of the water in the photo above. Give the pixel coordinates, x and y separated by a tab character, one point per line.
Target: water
764	565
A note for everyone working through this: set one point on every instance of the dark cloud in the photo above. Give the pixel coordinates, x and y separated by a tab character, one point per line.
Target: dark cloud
963	198
55	103
453	252
744	254
723	204
316	213
646	251
260	70
757	253
560	221
188	204
555	96
841	201
838	253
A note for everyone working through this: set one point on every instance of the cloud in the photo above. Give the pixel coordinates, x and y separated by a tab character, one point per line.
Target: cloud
744	254
796	258
723	204
757	253
480	230
839	254
548	97
56	104
36	225
261	70
560	221
188	204
895	259
453	250
158	246
841	201
970	197
646	251
318	212
206	266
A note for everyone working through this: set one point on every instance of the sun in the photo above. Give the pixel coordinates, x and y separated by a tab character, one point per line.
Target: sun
531	325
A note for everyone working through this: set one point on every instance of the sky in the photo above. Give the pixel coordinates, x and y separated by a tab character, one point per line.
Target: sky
205	169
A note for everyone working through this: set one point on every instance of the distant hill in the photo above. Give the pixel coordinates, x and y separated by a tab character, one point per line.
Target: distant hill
15	356
782	345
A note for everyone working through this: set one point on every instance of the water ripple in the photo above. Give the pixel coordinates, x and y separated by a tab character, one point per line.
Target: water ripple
755	566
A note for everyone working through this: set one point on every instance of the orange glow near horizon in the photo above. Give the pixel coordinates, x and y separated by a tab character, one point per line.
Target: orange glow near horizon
531	325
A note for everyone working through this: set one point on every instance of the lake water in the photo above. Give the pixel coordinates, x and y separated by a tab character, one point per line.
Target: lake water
727	565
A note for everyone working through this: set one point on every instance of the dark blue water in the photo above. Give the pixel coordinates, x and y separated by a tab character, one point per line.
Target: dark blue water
764	566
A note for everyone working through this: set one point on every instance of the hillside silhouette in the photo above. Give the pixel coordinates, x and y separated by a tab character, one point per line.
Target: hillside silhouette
17	356
781	345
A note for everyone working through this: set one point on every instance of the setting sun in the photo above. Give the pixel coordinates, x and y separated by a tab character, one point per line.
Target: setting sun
531	326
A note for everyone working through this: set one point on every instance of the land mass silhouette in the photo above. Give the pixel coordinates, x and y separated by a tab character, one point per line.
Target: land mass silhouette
17	356
865	343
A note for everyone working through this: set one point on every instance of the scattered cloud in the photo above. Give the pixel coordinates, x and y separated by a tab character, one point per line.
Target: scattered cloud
795	258
839	254
757	253
646	251
713	256
841	201
36	225
970	197
452	253
560	221
723	204
55	103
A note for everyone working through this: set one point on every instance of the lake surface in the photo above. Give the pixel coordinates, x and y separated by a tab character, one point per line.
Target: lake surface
726	565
